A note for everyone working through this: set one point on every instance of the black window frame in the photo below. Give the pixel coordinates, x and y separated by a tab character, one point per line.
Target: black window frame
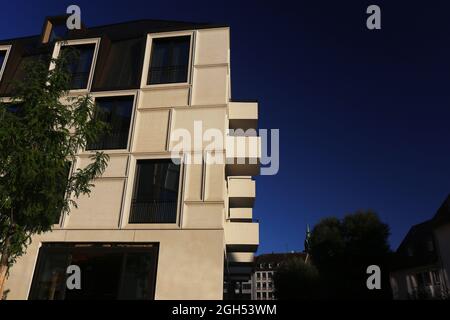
95	146
172	39
95	44
171	207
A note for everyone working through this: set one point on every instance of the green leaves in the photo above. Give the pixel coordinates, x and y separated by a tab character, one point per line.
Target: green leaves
41	131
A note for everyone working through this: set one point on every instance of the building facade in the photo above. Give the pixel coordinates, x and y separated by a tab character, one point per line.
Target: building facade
152	228
421	267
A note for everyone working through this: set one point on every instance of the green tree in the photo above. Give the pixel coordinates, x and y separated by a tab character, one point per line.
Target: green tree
343	249
41	131
295	279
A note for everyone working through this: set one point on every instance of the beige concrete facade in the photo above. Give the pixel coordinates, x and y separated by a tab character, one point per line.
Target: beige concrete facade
214	219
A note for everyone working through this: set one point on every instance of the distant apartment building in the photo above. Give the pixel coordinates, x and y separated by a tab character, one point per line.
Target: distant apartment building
261	285
152	228
422	262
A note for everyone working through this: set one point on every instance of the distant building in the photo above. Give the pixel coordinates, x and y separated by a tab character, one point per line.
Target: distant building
261	285
422	264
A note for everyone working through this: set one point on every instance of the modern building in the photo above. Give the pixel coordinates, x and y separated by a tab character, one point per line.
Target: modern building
422	262
152	228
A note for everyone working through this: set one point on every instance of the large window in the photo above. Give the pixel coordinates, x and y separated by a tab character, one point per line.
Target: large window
108	271
155	195
80	59
116	112
169	61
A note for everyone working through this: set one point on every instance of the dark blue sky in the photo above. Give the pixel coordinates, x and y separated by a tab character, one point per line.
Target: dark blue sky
364	116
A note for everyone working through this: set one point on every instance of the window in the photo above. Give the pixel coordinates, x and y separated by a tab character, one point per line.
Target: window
4	52
246	286
169	62
258	275
258	285
155	194
258	295
109	271
116	112
264	275
436	277
79	58
264	285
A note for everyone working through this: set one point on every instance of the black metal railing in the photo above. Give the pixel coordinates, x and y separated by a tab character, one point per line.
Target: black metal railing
157	211
168	74
79	80
111	141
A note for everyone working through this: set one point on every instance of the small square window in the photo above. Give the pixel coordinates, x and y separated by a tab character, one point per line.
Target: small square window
169	62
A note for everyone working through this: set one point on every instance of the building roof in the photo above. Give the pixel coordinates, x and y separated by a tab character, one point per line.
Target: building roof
127	29
275	258
442	216
418	246
125	41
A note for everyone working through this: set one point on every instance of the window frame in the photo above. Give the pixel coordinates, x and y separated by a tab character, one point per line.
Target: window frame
148	56
68	43
112	94
129	192
6	48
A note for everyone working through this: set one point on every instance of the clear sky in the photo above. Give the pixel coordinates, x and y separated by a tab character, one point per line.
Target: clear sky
364	116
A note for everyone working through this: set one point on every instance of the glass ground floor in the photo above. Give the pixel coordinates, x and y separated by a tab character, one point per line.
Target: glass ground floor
107	271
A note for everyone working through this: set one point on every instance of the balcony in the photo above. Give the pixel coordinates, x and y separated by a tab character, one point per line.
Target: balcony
153	212
240	257
241	236
241	214
243	115
241	192
243	155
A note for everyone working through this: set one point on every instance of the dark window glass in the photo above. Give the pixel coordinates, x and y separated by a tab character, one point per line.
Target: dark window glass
107	272
79	64
116	112
155	192
122	65
169	60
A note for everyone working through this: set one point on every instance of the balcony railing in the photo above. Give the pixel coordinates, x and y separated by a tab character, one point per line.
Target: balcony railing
111	141
168	74
79	80
157	211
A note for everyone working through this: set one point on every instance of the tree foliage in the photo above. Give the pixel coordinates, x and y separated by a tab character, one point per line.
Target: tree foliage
343	249
294	279
41	131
